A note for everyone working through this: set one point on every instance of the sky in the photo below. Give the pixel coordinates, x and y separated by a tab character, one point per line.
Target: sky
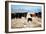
25	8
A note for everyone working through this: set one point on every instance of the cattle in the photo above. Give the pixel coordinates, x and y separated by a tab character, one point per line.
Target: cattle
29	18
18	15
12	15
38	14
25	15
32	15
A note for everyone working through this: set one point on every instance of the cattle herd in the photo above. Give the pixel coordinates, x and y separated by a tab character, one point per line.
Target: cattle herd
25	15
19	15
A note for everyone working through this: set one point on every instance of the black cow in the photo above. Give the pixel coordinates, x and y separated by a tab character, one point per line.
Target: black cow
18	15
13	15
38	14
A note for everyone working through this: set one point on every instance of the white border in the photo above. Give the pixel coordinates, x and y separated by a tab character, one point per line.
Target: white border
25	29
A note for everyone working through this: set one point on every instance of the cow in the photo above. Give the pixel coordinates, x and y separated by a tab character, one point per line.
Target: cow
12	15
38	14
29	17
18	15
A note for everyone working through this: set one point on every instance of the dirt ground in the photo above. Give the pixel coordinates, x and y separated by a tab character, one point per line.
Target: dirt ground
23	23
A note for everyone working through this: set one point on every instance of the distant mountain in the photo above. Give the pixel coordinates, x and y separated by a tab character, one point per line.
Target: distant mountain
19	11
23	11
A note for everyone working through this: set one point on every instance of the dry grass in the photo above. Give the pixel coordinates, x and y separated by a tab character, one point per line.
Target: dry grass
22	23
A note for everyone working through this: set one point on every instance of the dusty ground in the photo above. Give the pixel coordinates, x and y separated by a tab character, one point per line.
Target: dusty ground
23	23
